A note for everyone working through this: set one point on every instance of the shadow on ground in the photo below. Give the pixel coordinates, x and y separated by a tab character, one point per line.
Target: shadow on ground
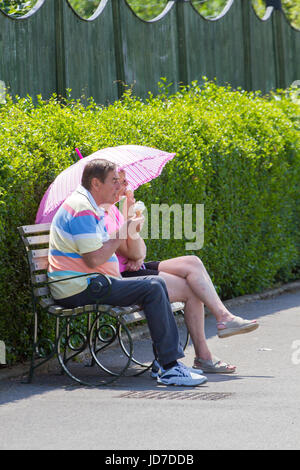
13	390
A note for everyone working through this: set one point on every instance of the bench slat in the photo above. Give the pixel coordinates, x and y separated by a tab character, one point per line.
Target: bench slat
46	302
134	317
140	315
57	309
40	264
36	240
38	259
41	291
39	278
37	228
40	253
176	306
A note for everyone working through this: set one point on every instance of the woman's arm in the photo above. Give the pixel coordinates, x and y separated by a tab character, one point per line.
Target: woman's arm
132	248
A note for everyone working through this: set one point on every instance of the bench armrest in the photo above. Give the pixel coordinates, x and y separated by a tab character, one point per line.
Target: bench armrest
83	275
80	275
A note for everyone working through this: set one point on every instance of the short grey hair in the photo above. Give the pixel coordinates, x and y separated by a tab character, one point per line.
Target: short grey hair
97	168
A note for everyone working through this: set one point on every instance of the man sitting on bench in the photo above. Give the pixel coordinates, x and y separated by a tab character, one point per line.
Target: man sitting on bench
80	244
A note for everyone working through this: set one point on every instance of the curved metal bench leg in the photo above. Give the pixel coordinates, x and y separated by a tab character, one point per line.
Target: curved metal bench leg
99	341
65	336
67	353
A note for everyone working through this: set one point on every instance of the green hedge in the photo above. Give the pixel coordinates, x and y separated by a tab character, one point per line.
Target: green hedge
237	153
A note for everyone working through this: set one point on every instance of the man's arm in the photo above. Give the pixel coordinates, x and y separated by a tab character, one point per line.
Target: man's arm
100	256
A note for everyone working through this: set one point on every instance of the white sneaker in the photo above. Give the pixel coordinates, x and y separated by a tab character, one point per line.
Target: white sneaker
181	375
157	369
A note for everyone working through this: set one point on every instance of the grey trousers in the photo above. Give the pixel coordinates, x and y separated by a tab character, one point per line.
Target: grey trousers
151	293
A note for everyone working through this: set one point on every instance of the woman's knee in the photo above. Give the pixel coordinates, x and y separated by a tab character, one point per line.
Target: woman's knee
178	288
194	262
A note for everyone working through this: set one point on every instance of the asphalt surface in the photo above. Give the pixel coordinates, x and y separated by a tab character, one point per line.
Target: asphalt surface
256	408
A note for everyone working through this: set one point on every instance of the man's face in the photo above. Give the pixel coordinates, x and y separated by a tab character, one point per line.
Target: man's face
123	185
107	192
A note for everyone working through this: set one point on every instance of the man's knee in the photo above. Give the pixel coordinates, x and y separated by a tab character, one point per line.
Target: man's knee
158	285
160	281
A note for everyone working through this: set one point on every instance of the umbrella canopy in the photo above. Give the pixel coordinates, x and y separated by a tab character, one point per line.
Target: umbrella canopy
141	164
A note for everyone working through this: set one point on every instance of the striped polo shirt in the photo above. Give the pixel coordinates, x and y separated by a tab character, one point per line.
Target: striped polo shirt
78	227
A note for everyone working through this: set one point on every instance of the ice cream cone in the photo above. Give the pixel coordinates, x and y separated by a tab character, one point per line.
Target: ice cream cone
139	207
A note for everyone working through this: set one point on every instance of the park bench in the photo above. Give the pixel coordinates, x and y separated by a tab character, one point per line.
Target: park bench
89	335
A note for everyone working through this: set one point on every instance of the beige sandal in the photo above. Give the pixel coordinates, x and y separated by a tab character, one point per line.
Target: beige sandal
236	326
213	366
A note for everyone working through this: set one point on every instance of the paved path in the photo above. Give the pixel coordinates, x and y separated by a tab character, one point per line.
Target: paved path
257	408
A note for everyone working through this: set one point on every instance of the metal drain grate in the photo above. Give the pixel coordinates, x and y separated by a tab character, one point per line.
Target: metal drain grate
158	395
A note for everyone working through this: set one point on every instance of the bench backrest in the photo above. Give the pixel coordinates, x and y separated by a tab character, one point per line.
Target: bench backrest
36	242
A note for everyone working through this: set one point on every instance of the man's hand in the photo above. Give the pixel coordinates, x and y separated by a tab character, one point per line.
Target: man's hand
128	229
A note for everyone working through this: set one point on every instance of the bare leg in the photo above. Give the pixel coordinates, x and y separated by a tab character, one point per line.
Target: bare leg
193	271
179	291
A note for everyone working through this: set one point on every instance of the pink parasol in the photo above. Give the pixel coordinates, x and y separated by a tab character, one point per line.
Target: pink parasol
141	164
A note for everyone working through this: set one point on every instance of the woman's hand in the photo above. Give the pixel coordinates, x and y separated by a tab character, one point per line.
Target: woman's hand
128	204
130	229
135	226
134	265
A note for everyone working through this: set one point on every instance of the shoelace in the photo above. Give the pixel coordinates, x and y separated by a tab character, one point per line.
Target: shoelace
182	370
156	366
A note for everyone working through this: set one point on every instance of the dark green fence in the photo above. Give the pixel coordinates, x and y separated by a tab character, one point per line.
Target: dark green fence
51	49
